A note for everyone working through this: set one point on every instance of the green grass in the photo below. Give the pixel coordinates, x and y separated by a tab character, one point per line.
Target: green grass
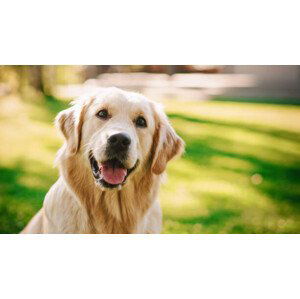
240	172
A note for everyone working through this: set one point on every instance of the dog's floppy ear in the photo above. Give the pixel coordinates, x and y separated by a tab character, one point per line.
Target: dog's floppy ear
69	122
166	143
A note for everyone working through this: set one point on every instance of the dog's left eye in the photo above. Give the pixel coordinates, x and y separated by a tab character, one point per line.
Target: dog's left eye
103	114
141	122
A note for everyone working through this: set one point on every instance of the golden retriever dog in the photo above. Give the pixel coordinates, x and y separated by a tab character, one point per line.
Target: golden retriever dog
117	146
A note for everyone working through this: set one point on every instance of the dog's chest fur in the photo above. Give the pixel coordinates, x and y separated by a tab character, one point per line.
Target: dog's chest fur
109	211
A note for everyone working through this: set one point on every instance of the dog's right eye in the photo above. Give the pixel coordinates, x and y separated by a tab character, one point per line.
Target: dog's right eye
103	114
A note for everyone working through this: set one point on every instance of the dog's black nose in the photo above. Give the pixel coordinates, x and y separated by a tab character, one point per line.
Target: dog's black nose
120	141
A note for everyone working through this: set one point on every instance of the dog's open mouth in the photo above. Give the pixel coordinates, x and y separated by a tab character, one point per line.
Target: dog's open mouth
111	173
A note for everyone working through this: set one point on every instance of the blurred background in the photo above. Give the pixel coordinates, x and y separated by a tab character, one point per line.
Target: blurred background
241	125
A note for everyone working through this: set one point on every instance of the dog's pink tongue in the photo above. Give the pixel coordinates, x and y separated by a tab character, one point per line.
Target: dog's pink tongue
113	175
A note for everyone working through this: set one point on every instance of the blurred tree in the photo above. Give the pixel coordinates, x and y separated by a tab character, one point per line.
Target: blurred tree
9	79
22	71
69	74
93	71
36	77
47	79
32	79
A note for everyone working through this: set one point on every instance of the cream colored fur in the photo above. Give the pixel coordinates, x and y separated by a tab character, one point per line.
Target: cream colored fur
75	203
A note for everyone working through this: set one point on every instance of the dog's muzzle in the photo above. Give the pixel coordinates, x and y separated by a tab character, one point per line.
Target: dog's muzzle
111	173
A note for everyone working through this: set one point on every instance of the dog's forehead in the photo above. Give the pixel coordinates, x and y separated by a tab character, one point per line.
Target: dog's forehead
122	100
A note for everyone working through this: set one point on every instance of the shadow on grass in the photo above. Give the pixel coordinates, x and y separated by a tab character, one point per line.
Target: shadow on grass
213	222
280	182
18	202
252	128
215	218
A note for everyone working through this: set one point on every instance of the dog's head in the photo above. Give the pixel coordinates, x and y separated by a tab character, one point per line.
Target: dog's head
118	133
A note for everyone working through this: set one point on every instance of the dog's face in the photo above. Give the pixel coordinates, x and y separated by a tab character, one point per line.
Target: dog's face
118	133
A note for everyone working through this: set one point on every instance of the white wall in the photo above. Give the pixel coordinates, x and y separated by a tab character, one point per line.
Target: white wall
271	81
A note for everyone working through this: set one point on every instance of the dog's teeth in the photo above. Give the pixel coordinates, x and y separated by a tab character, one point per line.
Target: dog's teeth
119	187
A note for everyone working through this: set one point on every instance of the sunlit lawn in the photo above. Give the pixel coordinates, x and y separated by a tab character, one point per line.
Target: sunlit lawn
240	172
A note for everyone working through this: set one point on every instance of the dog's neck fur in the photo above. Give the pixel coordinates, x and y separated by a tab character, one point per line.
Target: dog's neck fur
110	211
